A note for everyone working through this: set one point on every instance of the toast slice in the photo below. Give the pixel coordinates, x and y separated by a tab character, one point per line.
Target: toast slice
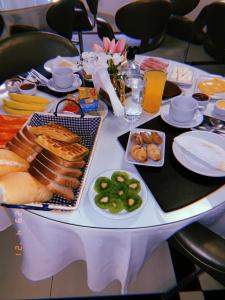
65	192
45	154
57	132
55	176
70	152
72	172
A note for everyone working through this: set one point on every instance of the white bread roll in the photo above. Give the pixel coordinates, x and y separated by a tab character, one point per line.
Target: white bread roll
11	162
22	188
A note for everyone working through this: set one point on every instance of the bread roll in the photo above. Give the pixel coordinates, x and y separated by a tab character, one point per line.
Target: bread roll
11	162
22	188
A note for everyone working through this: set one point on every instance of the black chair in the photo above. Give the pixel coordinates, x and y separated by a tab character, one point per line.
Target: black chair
20	52
2	24
82	21
183	7
145	20
104	29
181	26
214	22
202	247
59	17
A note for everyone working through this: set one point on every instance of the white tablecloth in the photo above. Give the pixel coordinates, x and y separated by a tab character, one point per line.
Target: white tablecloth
112	249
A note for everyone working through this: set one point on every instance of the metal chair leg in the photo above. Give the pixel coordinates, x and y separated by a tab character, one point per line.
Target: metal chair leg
81	44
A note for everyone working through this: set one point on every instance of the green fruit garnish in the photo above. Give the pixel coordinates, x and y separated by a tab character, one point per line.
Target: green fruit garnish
120	191
102	200
120	177
115	206
134	185
132	201
102	184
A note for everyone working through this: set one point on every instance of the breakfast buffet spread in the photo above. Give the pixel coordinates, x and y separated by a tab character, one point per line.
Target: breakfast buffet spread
48	155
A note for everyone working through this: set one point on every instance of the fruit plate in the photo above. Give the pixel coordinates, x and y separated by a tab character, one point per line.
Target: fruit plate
123	213
23	112
88	129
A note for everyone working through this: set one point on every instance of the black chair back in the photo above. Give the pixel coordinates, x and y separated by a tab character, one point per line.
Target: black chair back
203	247
93	6
1	24
59	17
144	19
183	7
21	52
214	42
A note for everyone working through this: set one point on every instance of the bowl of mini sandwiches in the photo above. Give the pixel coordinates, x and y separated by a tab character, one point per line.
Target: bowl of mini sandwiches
46	163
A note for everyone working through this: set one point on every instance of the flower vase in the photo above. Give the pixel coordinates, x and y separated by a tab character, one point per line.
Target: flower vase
119	86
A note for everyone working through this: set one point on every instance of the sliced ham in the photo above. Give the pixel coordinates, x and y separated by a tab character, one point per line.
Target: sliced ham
153	64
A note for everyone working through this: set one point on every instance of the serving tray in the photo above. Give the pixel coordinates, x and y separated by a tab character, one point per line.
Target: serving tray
87	128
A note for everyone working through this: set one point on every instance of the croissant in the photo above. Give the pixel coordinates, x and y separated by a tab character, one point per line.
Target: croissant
156	138
138	153
147	137
136	138
153	152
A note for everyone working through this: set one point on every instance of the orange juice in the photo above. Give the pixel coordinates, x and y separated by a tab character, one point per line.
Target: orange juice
155	83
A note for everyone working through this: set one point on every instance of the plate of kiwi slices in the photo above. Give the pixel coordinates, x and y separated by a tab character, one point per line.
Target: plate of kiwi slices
118	194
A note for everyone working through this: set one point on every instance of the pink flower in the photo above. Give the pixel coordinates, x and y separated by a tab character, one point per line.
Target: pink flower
97	48
112	47
120	45
106	44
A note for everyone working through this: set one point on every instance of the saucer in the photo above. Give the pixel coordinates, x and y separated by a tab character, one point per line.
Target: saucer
198	118
76	84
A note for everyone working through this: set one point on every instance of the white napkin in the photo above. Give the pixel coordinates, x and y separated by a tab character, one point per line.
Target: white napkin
213	155
102	80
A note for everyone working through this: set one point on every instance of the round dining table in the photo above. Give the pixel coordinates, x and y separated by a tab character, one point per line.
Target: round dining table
112	248
24	12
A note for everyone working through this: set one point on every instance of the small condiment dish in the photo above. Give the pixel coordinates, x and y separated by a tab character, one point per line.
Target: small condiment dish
220	107
12	85
202	99
28	88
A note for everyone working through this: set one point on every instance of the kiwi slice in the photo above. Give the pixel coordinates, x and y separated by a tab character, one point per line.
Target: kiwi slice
132	201
115	205
102	184
120	191
102	200
134	185
120	177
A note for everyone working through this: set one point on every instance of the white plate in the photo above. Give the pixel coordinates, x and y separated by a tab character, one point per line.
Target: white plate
149	162
203	78
169	120
76	84
123	214
75	60
48	109
193	163
181	82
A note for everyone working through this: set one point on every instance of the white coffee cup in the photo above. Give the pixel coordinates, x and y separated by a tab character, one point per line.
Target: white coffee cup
63	77
183	108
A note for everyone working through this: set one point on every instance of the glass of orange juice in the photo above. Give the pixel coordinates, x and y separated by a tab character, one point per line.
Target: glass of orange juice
154	86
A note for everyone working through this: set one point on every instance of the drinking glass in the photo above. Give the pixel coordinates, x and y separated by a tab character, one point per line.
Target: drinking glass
133	103
154	87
